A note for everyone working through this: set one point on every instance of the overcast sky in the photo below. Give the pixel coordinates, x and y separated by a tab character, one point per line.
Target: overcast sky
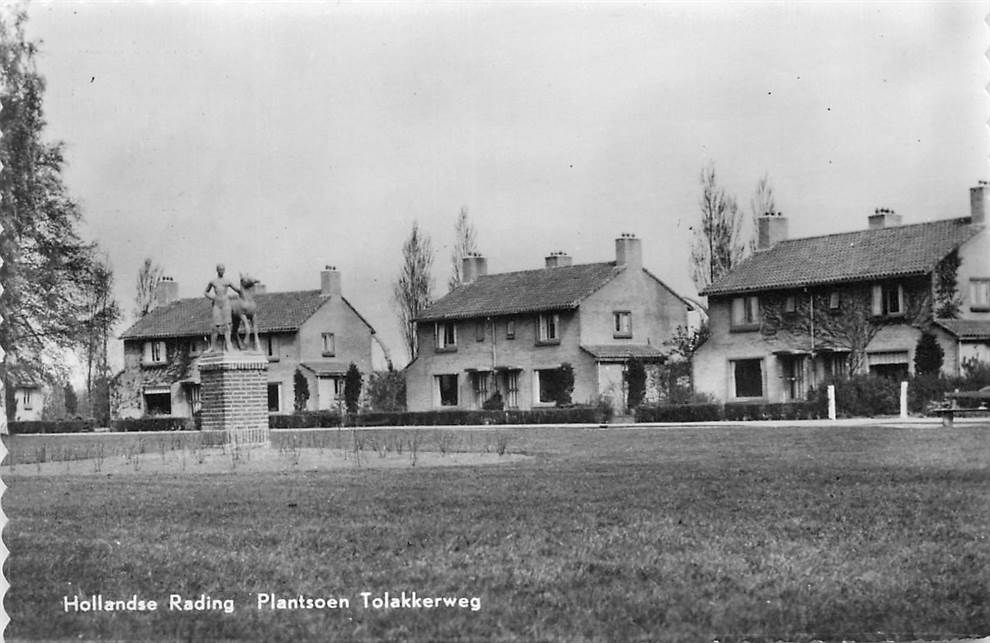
281	137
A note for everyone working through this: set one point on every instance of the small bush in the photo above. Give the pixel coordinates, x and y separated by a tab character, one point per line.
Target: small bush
679	413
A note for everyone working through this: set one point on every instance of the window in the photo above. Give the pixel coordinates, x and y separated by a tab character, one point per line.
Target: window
746	312
792	367
790	304
547	385
622	323
329	345
158	401
26	400
445	389
479	330
510	329
837	366
194	394
512	389
196	346
272	346
274	397
747	377
834	300
979	295
548	330
154	352
445	334
888	300
480	387
891	364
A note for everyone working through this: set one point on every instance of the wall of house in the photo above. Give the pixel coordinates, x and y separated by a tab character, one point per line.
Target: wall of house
712	362
523	352
975	256
352	343
282	364
656	311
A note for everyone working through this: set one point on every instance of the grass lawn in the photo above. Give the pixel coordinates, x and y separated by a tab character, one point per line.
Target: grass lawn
794	534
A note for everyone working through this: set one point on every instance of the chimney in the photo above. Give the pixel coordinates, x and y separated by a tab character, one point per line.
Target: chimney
979	200
771	230
628	251
166	291
884	218
559	259
330	281
473	265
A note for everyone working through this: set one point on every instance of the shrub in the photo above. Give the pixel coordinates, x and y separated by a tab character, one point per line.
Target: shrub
636	377
387	391
928	355
679	413
352	388
570	415
494	403
50	426
976	374
863	396
564	385
300	391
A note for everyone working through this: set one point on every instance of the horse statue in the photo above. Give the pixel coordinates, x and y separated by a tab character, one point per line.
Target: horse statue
242	315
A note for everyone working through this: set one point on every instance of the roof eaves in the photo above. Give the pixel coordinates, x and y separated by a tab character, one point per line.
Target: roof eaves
784	285
501	312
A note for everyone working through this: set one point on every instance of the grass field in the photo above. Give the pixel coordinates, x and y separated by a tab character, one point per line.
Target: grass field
761	534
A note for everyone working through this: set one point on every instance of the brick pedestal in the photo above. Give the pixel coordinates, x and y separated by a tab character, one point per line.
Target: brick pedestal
235	396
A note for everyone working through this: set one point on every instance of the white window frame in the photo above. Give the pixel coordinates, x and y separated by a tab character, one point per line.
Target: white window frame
548	328
732	378
790	303
745	312
881	300
622	324
329	344
834	300
26	400
440	339
437	394
155	352
510	329
979	294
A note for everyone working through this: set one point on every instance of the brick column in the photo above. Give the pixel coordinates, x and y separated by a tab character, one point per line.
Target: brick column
235	396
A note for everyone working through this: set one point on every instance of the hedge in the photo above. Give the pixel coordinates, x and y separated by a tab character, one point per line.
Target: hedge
160	423
304	420
51	426
566	415
733	411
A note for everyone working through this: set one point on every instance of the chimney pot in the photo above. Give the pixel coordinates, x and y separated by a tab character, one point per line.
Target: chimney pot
166	291
629	251
884	218
473	265
330	281
979	202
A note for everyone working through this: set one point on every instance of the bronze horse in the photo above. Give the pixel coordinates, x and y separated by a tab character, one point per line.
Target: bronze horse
242	313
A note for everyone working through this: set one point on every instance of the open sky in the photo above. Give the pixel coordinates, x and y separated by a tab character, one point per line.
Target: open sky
280	137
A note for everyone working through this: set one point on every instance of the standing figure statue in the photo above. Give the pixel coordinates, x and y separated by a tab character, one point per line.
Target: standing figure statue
221	307
242	315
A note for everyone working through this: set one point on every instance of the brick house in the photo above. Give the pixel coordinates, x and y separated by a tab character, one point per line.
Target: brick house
317	331
804	310
510	332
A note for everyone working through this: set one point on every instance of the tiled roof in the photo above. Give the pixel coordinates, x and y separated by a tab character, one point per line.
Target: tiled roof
622	351
966	328
524	291
277	311
324	367
851	256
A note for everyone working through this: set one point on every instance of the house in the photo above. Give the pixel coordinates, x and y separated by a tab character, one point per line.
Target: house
28	400
801	311
317	332
510	333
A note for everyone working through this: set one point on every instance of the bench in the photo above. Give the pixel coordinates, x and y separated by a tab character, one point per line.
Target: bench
951	409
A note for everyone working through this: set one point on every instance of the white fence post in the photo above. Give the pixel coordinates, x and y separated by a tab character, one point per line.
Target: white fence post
904	386
831	401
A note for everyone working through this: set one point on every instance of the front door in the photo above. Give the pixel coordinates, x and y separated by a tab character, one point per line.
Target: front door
793	376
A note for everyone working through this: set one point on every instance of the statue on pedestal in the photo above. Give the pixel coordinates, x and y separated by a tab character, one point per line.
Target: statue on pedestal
242	311
221	308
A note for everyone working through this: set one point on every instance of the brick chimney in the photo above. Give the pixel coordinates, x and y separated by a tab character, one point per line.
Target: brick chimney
771	229
558	259
166	291
629	251
884	218
473	265
979	201
330	281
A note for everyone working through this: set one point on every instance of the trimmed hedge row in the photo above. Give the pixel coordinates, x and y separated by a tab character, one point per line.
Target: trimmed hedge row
50	426
568	415
305	420
733	411
164	423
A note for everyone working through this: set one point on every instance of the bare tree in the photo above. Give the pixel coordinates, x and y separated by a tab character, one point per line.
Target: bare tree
148	277
103	313
762	202
465	242
717	245
413	287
